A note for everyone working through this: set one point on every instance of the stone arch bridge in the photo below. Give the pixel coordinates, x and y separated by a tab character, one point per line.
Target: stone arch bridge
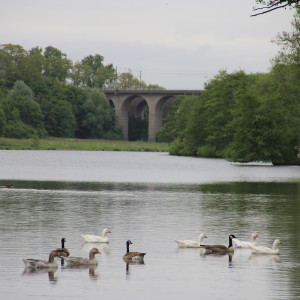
129	103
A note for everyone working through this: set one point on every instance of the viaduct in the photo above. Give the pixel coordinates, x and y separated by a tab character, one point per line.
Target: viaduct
129	103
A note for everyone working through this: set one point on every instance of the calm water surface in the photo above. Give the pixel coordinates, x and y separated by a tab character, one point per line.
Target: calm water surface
151	199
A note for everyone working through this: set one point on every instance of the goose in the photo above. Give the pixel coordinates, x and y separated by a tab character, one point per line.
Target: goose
191	244
220	248
92	260
137	257
63	251
39	263
267	250
88	238
243	244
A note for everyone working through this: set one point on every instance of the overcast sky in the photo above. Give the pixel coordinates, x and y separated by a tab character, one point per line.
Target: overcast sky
178	44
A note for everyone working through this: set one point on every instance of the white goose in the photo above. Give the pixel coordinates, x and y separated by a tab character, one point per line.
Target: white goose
79	261
267	250
39	263
88	238
243	244
191	244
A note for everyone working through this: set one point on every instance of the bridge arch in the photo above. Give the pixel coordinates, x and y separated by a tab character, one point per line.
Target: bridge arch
129	103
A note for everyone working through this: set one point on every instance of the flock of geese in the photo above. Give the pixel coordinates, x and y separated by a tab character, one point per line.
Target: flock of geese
234	242
64	254
138	257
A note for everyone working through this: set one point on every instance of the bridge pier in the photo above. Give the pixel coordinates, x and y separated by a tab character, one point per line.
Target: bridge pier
155	117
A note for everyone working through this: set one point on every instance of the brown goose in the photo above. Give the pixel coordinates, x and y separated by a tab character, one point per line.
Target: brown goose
39	263
220	248
137	257
92	260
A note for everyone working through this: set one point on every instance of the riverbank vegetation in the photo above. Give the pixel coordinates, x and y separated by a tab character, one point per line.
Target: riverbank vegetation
43	93
244	117
80	144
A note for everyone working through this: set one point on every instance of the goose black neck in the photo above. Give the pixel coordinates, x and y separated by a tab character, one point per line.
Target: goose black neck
230	240
63	242
127	244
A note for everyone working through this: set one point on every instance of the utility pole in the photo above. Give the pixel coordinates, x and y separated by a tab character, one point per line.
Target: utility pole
140	79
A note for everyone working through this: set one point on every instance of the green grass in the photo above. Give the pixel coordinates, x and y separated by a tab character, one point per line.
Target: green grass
80	144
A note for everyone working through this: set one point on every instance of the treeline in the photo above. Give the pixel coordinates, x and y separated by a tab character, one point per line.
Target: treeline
243	117
43	93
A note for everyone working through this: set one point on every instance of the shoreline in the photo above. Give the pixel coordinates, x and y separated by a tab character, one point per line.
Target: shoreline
81	145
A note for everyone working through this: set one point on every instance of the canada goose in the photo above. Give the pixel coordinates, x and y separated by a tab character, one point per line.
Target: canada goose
92	260
39	263
63	251
220	248
88	238
137	257
191	244
267	250
243	244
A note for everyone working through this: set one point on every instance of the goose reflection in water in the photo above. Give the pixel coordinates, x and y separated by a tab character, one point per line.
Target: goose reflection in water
51	272
262	258
91	269
102	247
204	253
130	262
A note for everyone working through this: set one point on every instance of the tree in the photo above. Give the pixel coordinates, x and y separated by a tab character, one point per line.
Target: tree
21	89
20	108
81	74
35	65
11	64
98	120
270	5
286	75
2	120
127	81
2	114
58	117
57	66
104	76
76	97
290	43
99	74
206	132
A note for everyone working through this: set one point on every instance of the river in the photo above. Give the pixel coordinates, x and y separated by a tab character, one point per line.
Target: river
151	199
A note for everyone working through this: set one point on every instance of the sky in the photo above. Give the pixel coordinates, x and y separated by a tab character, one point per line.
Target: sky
177	44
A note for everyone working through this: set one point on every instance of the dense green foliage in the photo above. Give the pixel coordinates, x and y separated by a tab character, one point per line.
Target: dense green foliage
243	117
42	93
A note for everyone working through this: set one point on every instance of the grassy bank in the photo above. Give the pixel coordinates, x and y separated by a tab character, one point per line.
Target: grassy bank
78	144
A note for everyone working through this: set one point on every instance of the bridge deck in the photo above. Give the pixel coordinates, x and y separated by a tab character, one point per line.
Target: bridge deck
150	91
